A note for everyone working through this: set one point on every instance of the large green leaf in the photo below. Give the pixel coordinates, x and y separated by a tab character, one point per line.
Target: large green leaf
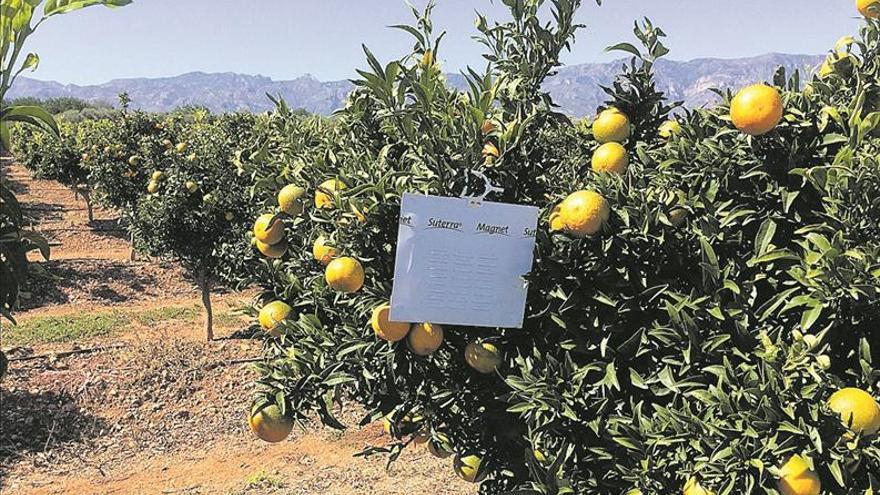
54	7
32	115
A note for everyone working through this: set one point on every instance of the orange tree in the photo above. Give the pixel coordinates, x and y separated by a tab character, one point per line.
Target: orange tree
17	24
57	158
194	201
703	304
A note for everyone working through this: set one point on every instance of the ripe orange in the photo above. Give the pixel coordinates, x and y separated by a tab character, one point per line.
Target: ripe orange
469	467
439	447
181	147
756	109
272	314
152	187
345	275
669	128
392	331
482	356
584	212
611	126
556	223
677	216
157	175
693	487
273	251
268	229
269	424
490	152
324	196
857	409
425	338
796	478
610	157
288	199
869	8
322	251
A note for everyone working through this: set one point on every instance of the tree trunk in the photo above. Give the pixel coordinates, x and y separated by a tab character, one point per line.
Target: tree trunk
205	285
87	197
132	254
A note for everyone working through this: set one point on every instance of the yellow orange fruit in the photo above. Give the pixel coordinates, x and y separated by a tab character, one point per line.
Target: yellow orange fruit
392	331
469	467
490	152
268	229
869	8
157	175
796	478
611	126
756	109
152	187
669	128
323	252
181	147
345	275
324	196
693	487
556	223
482	356
272	314
857	409
270	424
678	216
439	447
192	186
610	158
425	338
274	251
584	212
288	199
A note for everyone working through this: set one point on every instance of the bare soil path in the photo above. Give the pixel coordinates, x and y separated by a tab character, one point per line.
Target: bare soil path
161	412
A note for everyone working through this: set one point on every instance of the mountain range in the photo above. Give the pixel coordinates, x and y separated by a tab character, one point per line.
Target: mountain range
575	88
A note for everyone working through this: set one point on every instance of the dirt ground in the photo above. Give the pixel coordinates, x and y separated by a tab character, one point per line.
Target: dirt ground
158	410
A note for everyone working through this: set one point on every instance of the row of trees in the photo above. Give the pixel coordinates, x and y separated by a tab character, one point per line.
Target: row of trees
172	178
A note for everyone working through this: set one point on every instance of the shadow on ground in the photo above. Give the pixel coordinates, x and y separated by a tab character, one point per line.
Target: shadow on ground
33	422
109	227
42	212
64	281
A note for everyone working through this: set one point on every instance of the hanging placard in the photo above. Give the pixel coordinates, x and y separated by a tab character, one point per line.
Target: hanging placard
462	262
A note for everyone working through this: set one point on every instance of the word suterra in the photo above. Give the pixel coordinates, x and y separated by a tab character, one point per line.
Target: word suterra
439	223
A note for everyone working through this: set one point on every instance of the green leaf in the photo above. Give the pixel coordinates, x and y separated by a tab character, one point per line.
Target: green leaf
32	115
625	47
55	7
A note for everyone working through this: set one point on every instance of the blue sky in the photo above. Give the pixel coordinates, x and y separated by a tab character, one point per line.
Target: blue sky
284	39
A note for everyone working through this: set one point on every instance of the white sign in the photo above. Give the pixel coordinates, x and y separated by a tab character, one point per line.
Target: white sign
461	262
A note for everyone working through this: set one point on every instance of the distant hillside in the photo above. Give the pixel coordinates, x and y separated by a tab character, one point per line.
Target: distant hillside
575	88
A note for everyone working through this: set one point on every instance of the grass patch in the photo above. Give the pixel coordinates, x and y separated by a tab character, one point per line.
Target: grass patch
80	326
59	329
262	481
156	315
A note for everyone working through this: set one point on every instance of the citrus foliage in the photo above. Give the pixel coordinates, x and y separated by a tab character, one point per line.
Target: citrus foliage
688	338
